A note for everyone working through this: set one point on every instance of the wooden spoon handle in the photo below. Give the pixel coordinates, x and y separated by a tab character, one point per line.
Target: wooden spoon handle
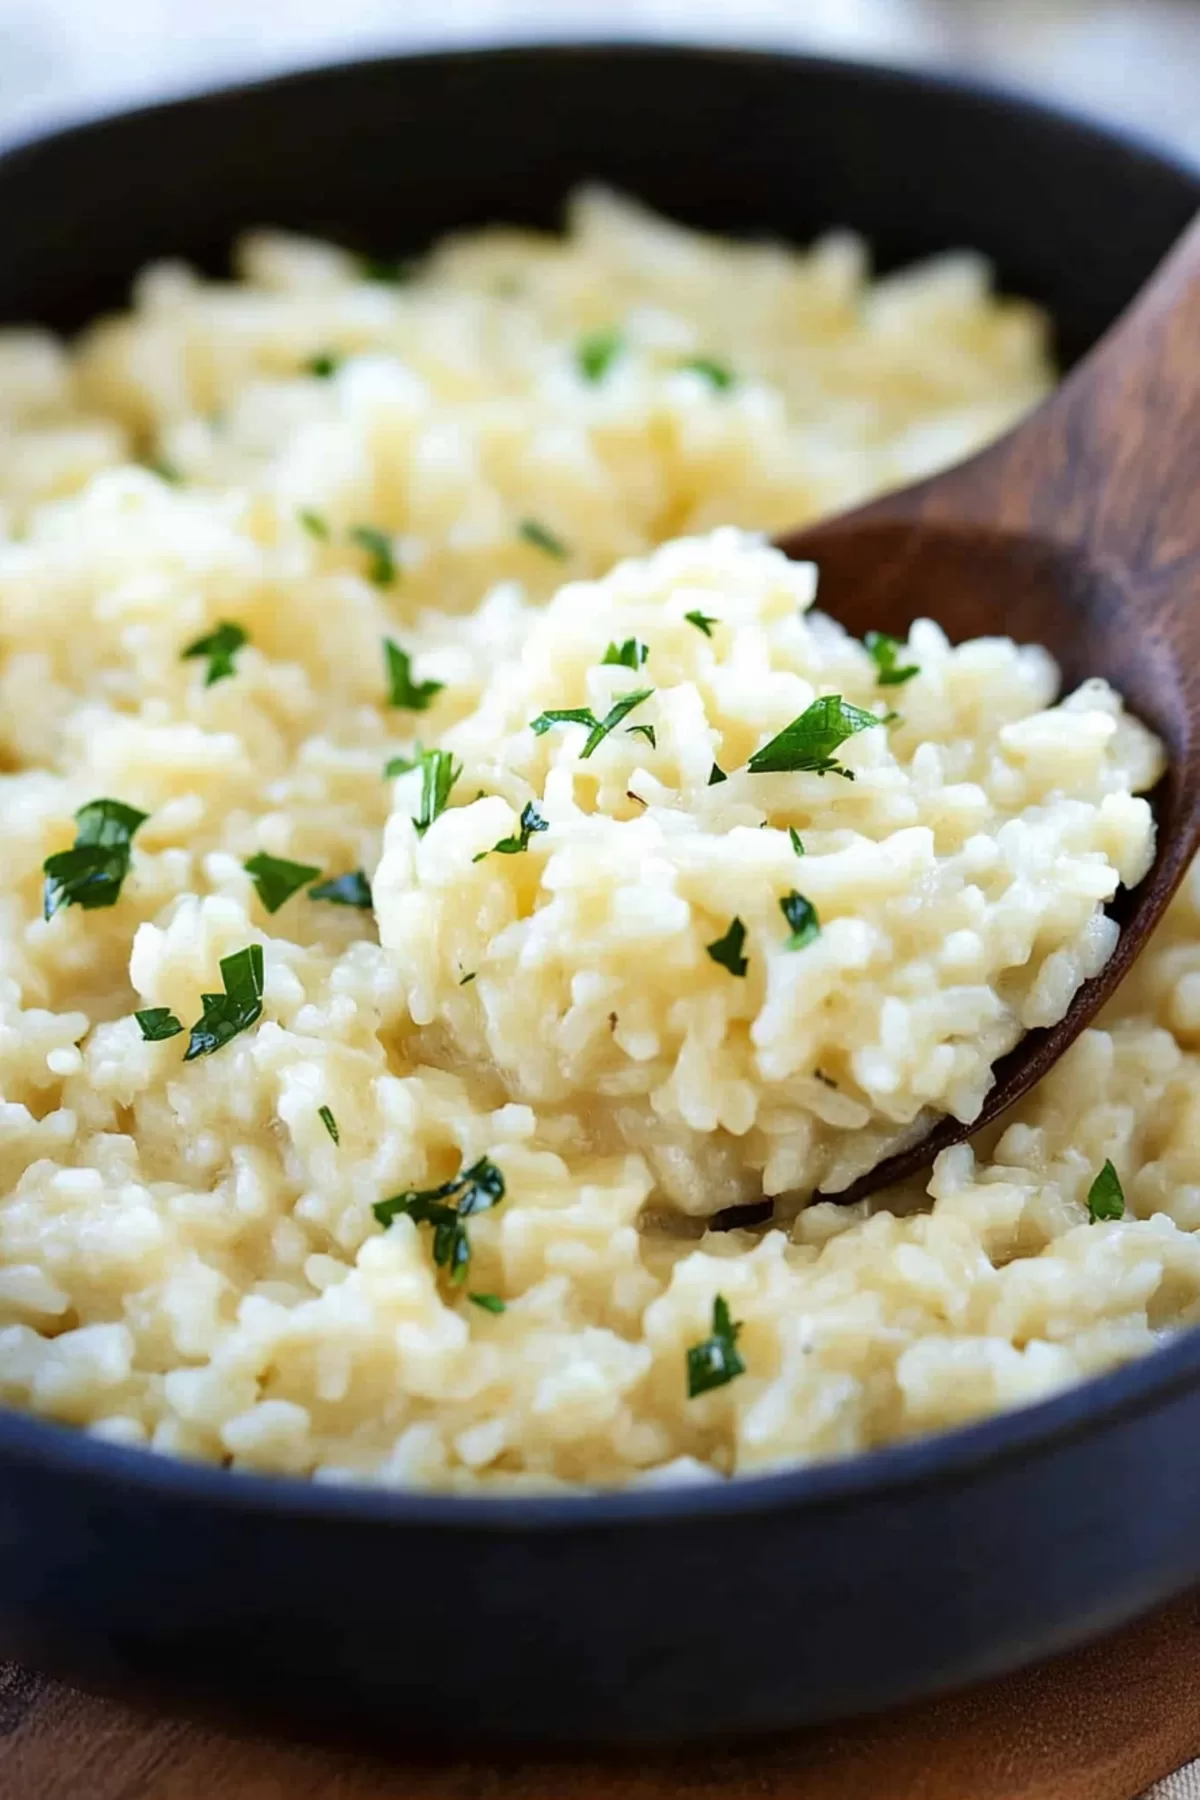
1111	461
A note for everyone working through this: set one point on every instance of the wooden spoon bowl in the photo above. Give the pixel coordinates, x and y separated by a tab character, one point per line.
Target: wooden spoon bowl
1080	530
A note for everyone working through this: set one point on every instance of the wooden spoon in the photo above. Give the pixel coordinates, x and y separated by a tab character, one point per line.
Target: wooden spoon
1079	530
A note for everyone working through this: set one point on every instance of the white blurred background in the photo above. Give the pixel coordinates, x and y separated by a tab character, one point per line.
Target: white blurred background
1133	61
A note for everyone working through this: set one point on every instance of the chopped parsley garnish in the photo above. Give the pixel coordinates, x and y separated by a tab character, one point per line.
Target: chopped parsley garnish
467	978
439	772
801	915
157	1024
542	538
883	651
234	1011
325	1114
596	353
277	879
351	889
702	621
646	731
315	524
403	764
165	469
1106	1196
583	715
394	270
727	950
324	364
381	568
446	1208
716	775
220	647
415	696
715	1362
810	740
91	872
718	373
487	1302
797	841
531	821
629	655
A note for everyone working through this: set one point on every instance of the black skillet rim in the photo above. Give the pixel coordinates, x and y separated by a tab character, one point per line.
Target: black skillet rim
872	1475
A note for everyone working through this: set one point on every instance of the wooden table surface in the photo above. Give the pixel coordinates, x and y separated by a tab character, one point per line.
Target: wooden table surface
1099	1724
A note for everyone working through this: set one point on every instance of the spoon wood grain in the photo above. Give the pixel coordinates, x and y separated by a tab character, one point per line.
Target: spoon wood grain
1079	530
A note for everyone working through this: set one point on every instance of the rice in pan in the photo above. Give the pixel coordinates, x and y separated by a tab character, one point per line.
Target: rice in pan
448	859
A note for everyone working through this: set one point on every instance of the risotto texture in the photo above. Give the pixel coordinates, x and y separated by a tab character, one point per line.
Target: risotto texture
502	868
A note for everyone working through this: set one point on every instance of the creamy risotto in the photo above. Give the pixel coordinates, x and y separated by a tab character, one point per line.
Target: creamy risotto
448	858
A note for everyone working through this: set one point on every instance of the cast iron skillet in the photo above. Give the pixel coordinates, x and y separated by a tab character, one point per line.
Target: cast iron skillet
655	1615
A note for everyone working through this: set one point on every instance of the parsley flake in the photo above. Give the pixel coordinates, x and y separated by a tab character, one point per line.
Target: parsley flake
716	775
352	889
323	365
491	1303
394	270
234	1011
797	841
90	874
583	715
810	740
325	1114
158	1023
646	731
1106	1196
719	374
439	772
446	1208
596	353
629	655
414	696
801	915
702	621
277	879
531	821
220	647
402	764
542	538
883	651
315	524
166	470
727	950
381	568
715	1362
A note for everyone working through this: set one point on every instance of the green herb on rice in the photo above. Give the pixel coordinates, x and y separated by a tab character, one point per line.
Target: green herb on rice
227	1014
583	715
91	873
727	950
381	563
801	916
447	1208
883	651
1106	1196
220	647
715	1362
542	538
276	879
810	740
403	691
351	889
596	353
